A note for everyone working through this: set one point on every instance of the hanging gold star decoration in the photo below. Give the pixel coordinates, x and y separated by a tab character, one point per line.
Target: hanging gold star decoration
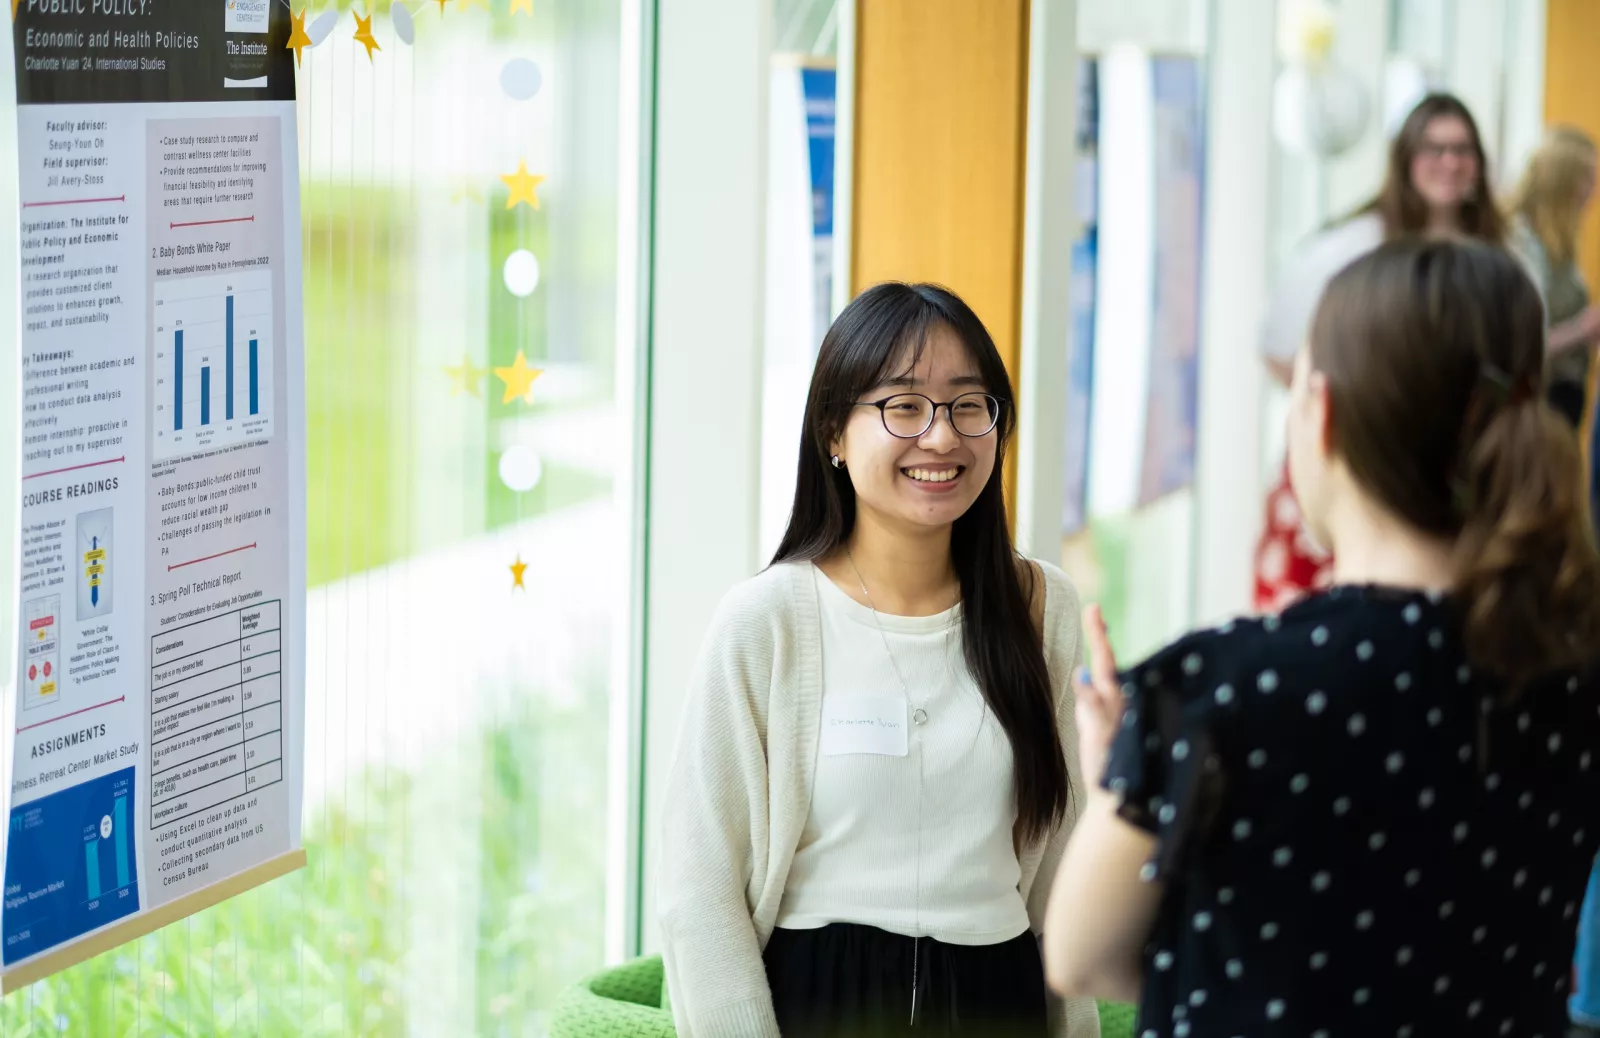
522	5
298	40
464	378
364	35
441	7
524	186
518	379
518	568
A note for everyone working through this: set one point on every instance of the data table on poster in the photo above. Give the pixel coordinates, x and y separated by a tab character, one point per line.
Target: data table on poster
216	720
213	365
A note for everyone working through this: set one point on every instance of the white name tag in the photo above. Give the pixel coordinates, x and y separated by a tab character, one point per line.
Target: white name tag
864	724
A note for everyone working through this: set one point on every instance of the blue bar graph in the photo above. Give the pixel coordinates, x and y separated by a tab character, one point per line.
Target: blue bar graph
59	856
177	380
121	834
91	859
213	338
228	377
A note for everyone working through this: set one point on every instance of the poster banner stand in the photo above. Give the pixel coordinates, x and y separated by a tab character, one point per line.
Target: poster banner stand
10	404
152	481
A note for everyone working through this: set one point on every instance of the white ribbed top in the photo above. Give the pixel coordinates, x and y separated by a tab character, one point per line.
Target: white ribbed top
920	845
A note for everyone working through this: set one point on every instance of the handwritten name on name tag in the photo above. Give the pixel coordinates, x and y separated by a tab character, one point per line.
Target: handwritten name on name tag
864	724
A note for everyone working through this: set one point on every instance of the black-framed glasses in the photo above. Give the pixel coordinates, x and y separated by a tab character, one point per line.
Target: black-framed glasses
910	415
1462	150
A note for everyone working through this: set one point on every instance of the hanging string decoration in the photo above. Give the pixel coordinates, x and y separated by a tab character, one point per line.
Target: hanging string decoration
519	468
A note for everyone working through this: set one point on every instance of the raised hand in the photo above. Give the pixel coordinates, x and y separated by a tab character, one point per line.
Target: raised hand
1099	697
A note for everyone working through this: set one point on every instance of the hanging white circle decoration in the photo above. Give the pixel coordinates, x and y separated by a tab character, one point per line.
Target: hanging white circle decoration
1319	110
520	469
521	273
520	79
404	27
322	25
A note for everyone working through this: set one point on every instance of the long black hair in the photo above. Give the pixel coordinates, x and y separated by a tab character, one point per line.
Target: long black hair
1003	650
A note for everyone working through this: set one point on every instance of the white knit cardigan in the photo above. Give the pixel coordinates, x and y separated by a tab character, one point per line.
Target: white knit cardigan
739	794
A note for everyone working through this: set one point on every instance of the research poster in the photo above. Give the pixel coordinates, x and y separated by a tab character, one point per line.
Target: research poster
156	726
1081	291
1172	411
799	269
819	86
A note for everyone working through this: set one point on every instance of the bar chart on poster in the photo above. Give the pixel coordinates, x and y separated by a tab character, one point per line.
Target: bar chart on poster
75	850
213	369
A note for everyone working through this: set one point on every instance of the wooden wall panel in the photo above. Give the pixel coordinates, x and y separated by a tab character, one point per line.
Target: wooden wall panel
940	139
1572	96
1572	93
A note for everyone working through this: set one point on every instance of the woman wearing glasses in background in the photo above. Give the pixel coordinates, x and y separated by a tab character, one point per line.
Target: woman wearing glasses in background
1437	184
877	768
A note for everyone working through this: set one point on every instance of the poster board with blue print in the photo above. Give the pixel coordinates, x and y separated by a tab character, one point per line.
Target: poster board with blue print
1081	301
799	276
1178	154
818	87
1132	393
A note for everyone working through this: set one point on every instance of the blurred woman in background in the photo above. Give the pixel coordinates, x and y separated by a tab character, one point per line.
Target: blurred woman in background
1373	814
1546	212
1436	184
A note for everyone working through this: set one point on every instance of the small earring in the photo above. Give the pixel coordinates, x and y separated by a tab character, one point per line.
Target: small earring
837	463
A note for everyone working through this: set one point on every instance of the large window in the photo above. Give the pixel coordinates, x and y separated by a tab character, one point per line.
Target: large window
468	621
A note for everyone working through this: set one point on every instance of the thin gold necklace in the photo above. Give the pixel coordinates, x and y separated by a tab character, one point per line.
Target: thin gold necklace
948	627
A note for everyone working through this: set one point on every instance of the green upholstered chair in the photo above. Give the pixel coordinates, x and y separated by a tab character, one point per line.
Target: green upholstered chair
622	1002
630	1001
1116	1020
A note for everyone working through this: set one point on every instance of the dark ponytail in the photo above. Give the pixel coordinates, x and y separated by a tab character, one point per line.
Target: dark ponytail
1434	356
1529	575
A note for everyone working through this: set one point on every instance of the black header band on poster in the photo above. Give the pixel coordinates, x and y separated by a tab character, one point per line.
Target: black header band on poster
133	51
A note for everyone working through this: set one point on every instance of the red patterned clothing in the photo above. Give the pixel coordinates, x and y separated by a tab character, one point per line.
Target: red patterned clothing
1288	564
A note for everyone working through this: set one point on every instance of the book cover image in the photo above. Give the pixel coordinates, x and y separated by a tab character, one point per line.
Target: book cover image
93	577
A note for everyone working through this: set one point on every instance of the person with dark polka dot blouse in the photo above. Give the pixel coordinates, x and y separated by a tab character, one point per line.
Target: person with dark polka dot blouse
1374	814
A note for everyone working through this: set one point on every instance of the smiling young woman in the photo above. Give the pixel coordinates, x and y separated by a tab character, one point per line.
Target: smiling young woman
877	770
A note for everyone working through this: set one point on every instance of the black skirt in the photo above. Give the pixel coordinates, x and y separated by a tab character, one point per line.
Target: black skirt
850	981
